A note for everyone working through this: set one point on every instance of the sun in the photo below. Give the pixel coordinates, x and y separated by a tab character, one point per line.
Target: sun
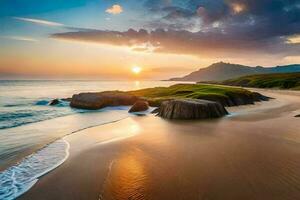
136	69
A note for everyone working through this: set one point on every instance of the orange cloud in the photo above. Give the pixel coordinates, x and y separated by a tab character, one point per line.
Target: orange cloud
115	9
237	8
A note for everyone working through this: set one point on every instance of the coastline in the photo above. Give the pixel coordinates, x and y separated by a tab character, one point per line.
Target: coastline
161	159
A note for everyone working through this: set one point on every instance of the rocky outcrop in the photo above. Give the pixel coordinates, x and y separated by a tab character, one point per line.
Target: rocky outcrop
237	99
54	102
191	109
100	100
259	97
297	115
139	106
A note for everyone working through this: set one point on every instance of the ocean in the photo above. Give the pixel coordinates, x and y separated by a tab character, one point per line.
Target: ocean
32	131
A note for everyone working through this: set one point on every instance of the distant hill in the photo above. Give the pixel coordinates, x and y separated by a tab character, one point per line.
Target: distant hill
281	81
222	71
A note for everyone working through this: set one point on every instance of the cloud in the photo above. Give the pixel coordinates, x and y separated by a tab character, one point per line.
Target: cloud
20	38
295	39
52	24
184	42
258	18
238	8
171	69
115	9
206	27
39	21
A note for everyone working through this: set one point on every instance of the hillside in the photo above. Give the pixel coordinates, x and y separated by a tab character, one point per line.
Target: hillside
222	71
282	81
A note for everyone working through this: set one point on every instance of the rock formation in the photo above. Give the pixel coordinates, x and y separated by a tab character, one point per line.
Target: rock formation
191	109
100	100
237	99
139	105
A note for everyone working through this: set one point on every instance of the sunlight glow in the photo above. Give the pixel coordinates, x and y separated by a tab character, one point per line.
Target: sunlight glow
136	69
237	8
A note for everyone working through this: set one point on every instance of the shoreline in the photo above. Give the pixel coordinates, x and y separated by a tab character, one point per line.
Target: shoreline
11	173
96	182
65	126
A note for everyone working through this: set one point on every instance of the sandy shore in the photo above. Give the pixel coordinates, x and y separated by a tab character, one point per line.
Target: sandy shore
252	154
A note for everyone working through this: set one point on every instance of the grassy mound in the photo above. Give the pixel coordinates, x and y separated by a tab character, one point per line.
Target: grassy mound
227	96
281	81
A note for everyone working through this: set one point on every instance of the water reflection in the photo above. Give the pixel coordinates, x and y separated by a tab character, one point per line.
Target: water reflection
137	85
128	178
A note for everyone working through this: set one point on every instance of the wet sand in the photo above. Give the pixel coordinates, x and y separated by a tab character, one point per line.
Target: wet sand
252	154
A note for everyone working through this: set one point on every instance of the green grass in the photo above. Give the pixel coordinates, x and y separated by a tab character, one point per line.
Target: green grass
218	93
281	81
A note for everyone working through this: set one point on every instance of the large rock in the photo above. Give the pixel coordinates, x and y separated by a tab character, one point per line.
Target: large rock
139	106
99	100
191	109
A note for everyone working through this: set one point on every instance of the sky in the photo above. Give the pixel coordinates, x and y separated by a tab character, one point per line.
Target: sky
105	39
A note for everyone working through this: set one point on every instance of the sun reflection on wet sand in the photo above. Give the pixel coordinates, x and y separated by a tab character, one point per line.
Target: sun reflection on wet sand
128	178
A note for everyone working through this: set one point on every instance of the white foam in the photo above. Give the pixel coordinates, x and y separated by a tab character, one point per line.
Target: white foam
18	179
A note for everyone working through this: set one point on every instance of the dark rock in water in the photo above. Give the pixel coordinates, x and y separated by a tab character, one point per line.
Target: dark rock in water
156	110
99	100
297	115
67	99
54	102
191	109
140	105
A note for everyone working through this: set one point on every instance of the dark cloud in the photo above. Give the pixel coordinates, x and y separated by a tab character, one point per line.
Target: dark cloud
258	18
214	27
183	42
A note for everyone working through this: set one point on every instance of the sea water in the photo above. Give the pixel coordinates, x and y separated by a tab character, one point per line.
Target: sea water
32	131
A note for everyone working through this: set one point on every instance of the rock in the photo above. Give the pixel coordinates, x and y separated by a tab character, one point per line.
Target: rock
155	111
93	101
237	99
54	102
140	105
191	109
259	97
67	99
297	115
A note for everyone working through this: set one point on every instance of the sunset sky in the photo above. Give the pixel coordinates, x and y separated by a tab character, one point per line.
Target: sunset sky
106	39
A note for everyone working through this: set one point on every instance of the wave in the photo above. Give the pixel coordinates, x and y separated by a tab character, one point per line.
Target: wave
18	179
21	114
15	105
22	117
42	103
36	103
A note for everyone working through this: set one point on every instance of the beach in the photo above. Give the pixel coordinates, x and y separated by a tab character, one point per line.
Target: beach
251	154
